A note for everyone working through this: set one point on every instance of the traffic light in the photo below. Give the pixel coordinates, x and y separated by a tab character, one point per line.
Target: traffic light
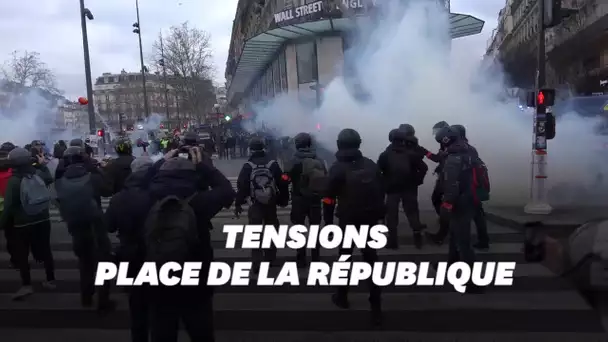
162	126
544	97
100	133
227	118
83	101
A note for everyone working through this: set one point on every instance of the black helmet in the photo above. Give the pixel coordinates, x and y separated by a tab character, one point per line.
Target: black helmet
7	147
460	130
74	154
348	138
438	126
191	139
391	135
447	136
302	140
20	157
257	144
77	142
400	136
123	146
408	129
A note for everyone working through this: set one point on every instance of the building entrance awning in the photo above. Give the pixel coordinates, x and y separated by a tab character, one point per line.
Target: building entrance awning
462	25
258	51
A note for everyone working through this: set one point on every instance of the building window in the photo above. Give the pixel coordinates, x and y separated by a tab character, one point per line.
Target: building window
283	70
306	59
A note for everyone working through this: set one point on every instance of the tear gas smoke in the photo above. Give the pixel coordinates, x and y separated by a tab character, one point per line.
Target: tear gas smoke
142	131
28	116
404	66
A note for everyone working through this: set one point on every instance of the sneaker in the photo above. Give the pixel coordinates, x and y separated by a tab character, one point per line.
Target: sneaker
23	292
49	285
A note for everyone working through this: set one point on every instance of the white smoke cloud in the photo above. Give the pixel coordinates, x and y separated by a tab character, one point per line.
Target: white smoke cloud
405	65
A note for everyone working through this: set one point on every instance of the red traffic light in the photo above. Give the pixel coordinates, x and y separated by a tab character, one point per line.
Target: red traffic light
540	98
162	126
100	133
83	101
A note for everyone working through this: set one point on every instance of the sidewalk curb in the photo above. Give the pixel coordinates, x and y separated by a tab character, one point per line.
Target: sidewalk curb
520	226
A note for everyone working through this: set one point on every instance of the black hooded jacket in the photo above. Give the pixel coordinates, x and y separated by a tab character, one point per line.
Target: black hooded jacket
396	183
293	168
129	209
118	170
457	175
243	182
336	189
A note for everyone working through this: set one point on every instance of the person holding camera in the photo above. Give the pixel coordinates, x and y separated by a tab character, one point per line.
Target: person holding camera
176	211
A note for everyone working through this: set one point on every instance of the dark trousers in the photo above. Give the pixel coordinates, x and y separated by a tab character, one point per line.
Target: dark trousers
460	248
437	199
370	256
264	214
196	315
91	245
481	225
140	313
409	200
301	209
36	239
9	235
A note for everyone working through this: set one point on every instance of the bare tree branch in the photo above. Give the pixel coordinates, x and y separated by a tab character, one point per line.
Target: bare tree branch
187	56
26	70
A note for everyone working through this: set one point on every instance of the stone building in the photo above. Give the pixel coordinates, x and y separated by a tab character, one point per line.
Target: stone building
577	53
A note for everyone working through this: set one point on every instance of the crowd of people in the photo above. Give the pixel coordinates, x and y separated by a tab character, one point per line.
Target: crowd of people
162	211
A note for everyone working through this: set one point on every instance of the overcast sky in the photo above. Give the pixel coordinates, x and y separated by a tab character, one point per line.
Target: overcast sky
52	28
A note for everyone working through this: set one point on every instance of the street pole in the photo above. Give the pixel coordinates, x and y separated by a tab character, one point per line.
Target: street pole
87	65
179	125
538	195
141	58
162	54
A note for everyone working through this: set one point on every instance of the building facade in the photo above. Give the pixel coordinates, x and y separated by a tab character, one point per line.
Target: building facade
119	100
74	117
577	54
298	47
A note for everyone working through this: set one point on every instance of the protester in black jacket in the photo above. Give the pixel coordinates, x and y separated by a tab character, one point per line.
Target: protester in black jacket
356	183
403	170
305	203
127	214
261	213
483	239
117	170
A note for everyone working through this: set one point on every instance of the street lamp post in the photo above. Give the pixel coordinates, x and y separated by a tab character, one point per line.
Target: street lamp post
85	14
137	30
162	63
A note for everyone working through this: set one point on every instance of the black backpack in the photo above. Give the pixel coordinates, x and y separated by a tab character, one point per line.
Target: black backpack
400	168
364	196
171	231
77	199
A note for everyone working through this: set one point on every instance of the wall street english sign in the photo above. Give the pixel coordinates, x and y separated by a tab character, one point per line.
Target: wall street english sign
321	9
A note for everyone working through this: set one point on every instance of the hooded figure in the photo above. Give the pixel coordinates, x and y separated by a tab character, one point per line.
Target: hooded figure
30	220
401	166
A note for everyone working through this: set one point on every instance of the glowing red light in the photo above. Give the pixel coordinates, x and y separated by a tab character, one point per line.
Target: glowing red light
83	101
100	133
540	98
162	126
